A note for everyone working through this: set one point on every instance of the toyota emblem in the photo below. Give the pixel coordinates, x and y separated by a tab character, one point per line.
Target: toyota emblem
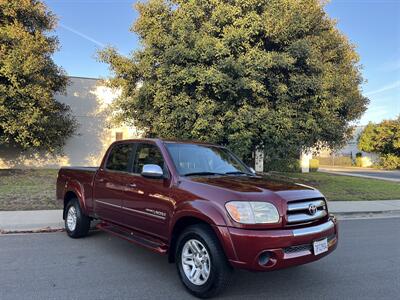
312	209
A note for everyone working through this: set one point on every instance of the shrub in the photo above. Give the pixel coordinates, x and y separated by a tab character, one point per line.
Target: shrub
314	165
359	161
382	138
283	165
390	161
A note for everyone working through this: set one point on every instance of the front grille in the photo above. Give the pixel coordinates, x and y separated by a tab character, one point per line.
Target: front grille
306	211
306	247
296	249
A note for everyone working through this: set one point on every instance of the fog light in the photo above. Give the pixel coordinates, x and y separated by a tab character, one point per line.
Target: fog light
264	258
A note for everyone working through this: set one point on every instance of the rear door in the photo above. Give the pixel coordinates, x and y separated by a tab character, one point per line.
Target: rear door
112	183
149	204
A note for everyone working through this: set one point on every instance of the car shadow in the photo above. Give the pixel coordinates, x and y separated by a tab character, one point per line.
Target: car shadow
276	284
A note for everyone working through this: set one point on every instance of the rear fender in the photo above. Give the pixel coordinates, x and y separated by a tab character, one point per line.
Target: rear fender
75	187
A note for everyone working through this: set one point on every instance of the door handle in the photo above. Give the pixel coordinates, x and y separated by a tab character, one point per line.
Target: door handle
132	185
101	180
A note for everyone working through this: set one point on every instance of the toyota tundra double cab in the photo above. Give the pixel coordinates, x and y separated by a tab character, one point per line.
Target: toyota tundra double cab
201	206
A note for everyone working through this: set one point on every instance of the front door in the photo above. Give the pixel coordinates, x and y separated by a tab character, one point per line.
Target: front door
148	205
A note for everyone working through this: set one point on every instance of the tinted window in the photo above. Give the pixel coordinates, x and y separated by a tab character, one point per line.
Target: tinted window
119	158
147	154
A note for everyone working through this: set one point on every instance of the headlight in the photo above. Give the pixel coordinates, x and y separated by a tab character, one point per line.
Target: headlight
252	212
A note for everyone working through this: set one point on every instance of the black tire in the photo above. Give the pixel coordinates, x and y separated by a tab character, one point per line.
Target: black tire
82	226
220	270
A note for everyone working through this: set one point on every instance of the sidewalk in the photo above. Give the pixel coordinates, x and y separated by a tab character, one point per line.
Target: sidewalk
36	220
31	220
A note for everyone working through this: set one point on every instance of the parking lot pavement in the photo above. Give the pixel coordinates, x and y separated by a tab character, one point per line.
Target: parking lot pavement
366	265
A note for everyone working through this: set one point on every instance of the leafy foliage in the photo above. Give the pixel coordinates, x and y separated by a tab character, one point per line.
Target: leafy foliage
390	161
285	164
30	117
242	73
383	138
359	161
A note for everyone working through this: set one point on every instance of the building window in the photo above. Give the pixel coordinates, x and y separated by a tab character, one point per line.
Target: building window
119	136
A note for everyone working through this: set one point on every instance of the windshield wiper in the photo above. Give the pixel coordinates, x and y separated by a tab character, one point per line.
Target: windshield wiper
238	173
202	174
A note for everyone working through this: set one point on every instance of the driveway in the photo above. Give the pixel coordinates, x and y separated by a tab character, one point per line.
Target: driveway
366	265
363	172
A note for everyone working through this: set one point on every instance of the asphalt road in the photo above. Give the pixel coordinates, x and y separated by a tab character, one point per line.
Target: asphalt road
382	174
366	265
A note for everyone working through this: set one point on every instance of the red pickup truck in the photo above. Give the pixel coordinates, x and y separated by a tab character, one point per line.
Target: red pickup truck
201	206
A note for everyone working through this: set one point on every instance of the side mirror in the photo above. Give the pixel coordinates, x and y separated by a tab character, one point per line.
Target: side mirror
252	170
152	171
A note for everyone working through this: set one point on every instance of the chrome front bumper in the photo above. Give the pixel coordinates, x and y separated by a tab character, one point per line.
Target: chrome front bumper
314	229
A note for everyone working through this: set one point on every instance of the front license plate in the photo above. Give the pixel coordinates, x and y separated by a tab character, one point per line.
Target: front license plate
320	246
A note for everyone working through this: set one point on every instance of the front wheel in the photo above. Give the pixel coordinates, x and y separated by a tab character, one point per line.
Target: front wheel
77	224
202	265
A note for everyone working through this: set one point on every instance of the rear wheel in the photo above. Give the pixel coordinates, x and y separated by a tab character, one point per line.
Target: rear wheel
202	265
77	224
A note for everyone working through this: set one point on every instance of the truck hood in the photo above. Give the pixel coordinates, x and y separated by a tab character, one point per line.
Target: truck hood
266	185
250	184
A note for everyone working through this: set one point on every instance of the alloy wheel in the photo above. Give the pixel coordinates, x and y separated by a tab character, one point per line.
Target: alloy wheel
196	262
71	218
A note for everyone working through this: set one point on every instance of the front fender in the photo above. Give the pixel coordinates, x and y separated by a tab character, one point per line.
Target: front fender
204	210
211	214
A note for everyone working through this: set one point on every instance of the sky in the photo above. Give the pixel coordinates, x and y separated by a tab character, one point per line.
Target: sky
373	26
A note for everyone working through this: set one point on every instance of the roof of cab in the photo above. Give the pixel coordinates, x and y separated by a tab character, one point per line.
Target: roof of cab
167	141
187	142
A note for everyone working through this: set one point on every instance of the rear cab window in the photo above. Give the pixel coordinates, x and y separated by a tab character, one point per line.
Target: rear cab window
120	158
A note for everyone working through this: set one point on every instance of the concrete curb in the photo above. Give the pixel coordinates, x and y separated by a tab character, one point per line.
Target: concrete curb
51	220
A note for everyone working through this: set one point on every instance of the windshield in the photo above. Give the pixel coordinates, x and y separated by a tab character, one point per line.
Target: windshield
192	159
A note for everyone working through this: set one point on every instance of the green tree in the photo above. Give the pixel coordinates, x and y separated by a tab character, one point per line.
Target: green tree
383	138
242	73
30	117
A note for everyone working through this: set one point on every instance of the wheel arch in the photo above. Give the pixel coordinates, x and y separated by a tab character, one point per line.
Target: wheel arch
68	196
179	226
200	212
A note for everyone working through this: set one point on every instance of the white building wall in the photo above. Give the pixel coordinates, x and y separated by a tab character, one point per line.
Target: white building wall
89	100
